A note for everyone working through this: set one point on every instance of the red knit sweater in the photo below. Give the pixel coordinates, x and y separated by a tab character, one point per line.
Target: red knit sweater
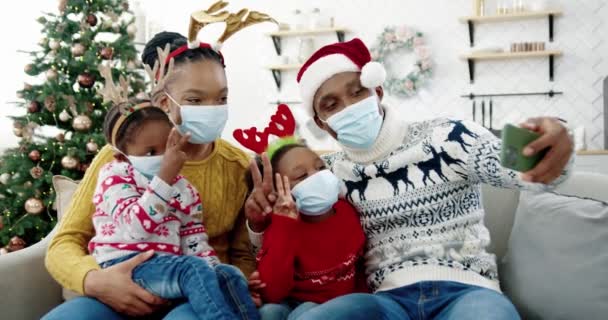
312	261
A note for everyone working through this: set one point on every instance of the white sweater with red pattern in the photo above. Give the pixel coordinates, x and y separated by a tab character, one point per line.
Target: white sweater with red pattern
134	214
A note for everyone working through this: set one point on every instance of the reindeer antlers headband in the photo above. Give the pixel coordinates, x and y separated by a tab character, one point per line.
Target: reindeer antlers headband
234	23
119	96
282	124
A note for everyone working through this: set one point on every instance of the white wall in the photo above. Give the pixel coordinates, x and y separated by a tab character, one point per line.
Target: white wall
20	31
580	33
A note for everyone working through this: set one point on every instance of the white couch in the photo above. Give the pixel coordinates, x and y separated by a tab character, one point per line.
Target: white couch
27	291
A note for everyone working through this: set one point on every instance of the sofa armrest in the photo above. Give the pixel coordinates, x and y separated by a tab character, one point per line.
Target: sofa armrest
27	290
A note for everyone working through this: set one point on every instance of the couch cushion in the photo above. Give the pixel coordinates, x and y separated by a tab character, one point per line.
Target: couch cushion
556	266
64	191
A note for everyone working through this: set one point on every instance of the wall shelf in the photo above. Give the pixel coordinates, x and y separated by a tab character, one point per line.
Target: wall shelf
278	69
277	35
472	20
472	58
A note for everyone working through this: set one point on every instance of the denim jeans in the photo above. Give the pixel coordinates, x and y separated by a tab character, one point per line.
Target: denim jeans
220	293
285	310
439	300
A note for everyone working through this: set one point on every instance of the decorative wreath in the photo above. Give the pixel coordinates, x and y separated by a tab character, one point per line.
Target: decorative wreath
393	39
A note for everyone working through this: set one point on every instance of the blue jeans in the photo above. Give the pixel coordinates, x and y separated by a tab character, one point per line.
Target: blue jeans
439	300
220	293
285	310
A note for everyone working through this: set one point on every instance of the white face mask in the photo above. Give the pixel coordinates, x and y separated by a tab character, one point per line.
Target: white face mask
204	123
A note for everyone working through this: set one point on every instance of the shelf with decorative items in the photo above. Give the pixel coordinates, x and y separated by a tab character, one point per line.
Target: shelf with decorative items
278	35
507	17
306	36
472	58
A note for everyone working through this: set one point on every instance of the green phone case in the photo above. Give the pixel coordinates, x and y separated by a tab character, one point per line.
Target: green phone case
514	140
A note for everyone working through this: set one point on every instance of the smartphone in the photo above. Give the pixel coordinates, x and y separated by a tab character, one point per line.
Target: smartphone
514	140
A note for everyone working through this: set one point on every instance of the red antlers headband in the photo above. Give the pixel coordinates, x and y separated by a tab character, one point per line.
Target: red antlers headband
282	124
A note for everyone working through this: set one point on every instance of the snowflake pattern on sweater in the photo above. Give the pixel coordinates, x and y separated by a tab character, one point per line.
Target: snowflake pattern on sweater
134	214
420	203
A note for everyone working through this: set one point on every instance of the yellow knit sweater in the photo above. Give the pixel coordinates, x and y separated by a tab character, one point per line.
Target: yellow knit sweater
220	179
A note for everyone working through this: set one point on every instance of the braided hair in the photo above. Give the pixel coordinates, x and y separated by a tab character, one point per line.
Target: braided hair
132	123
176	40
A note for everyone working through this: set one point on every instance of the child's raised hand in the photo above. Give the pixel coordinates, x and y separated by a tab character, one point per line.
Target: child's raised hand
285	205
174	157
259	203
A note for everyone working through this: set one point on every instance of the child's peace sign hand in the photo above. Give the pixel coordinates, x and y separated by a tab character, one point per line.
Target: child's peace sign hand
285	205
174	157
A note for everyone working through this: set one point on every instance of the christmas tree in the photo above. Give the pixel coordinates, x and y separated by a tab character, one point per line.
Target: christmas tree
76	40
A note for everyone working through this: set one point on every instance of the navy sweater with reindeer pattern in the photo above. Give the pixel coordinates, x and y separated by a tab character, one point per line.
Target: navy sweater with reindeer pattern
418	193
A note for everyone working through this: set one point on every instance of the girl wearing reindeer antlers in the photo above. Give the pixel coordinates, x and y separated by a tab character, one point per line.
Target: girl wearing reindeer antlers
312	249
190	84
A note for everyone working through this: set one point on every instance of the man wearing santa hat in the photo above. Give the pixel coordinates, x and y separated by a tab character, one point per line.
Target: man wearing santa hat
417	188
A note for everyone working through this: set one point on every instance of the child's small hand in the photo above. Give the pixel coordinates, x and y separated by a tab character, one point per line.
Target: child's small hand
174	157
285	205
255	286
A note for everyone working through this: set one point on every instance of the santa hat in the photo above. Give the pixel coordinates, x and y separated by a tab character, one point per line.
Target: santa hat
351	56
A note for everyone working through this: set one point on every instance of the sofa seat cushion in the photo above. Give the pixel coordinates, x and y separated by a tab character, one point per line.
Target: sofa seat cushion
556	266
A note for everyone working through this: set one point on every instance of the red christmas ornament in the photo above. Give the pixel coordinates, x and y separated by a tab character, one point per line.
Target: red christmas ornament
86	80
107	53
92	20
33	107
34	155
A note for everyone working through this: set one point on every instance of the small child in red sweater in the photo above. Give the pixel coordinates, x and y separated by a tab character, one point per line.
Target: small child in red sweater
311	251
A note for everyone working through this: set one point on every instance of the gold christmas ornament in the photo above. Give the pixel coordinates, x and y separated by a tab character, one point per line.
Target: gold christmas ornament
132	30
82	123
50	103
34	206
43	42
51	74
18	132
53	44
60	137
69	162
5	177
36	172
28	68
92	146
78	49
64	116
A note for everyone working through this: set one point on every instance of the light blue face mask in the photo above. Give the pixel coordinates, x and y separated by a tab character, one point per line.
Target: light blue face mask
358	125
316	194
149	166
205	123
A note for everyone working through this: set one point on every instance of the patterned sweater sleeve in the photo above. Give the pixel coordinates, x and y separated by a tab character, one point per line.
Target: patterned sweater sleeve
193	235
482	149
140	210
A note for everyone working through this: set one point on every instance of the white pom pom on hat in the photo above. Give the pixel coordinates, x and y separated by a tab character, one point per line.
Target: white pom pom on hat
373	75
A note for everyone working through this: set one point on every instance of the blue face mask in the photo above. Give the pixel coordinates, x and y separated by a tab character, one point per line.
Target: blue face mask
358	125
149	166
316	194
205	123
